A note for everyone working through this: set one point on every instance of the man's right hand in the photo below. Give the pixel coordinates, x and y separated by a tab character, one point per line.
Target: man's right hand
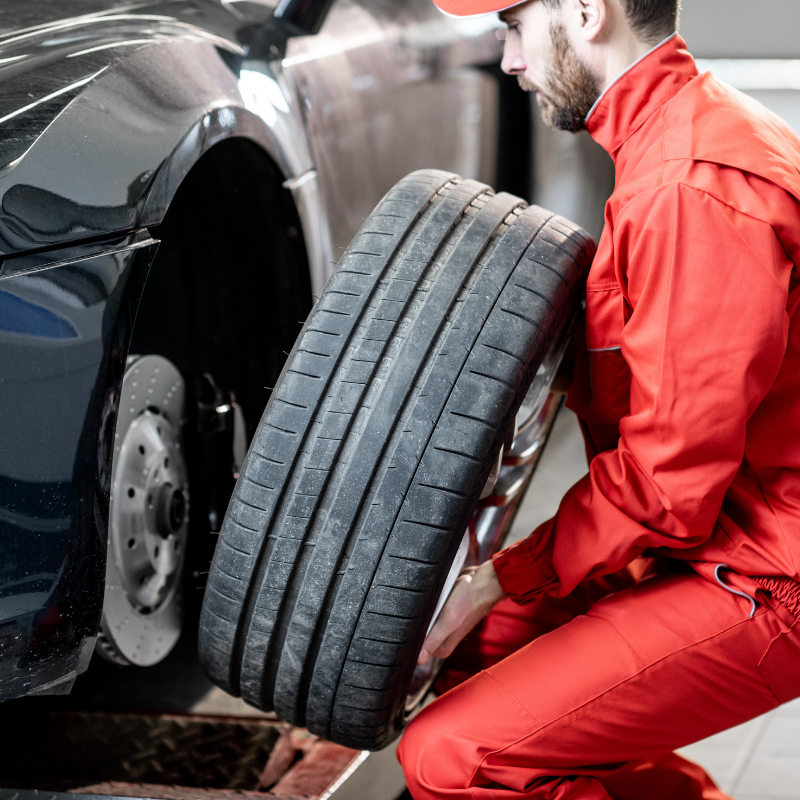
475	593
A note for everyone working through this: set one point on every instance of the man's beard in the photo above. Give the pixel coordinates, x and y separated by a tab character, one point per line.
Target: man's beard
570	89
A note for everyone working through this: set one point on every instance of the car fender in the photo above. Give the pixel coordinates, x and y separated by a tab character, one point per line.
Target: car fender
113	157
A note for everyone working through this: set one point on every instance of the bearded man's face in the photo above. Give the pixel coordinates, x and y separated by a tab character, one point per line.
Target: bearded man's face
565	87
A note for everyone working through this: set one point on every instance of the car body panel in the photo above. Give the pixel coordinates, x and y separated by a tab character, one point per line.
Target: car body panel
61	342
106	107
138	108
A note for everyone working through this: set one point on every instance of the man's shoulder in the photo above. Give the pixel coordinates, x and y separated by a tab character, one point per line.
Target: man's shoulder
713	123
699	188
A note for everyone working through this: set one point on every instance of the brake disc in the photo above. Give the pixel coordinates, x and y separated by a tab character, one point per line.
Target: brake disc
148	519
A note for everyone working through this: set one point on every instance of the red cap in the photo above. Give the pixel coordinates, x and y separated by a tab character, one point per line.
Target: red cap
474	8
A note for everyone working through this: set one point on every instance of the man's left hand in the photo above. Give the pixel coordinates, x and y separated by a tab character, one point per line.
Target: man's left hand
475	593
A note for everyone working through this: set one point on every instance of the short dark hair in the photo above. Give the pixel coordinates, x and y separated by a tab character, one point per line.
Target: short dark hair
651	20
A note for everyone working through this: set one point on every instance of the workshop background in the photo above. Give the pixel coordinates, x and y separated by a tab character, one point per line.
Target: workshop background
755	48
756	51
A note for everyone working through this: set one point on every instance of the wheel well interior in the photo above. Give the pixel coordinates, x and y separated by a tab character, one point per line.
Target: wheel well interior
230	284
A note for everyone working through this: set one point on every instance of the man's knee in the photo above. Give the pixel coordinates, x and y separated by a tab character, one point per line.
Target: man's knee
432	760
443	760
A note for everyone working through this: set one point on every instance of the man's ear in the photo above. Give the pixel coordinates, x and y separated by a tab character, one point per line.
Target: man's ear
593	17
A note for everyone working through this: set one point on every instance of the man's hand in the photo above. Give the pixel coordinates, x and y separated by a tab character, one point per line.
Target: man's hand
474	595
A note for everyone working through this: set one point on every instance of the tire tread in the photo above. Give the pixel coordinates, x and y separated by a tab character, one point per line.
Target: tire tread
374	448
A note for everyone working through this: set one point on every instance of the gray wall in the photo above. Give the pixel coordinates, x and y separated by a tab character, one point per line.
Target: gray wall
742	28
573	176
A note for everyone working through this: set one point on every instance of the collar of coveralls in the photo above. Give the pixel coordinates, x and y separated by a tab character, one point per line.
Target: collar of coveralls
640	91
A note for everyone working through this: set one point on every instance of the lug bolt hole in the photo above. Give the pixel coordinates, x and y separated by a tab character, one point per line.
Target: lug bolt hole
131	492
166	463
131	543
141	449
155	552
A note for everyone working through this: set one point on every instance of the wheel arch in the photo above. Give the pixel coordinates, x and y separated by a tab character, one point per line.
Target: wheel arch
232	245
113	157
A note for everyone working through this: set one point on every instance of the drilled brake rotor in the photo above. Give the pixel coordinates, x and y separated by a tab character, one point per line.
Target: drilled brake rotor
148	520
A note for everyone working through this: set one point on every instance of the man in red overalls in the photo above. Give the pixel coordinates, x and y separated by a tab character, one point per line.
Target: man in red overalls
659	605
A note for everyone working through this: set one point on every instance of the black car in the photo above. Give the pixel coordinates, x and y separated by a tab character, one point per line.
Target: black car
177	180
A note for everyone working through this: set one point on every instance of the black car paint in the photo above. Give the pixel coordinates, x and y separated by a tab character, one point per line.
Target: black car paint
62	337
78	189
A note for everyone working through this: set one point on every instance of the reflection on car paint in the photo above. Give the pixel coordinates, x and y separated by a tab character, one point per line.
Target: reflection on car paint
18	315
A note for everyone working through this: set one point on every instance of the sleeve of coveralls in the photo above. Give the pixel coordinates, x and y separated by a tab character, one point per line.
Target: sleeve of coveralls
704	343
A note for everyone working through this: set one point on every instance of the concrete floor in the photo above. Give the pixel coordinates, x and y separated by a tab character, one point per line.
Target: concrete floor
759	760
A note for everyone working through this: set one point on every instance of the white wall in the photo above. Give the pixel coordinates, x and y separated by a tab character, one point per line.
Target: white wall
742	28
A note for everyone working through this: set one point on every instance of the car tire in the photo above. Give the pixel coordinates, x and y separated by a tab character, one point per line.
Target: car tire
374	449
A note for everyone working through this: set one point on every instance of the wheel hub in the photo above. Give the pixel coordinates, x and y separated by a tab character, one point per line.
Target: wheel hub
148	518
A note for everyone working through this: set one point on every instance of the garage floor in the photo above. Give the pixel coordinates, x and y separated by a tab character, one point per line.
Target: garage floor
756	761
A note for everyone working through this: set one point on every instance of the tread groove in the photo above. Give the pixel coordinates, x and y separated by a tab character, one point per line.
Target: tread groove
327	333
443	489
523	317
427	524
282	430
226	543
459	453
477	419
547	266
256	483
506	352
538	294
241	525
414	560
222	594
304	374
493	378
380	641
401	588
287	403
559	247
249	505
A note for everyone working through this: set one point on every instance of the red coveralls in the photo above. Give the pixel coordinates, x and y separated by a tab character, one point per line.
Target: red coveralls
689	397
